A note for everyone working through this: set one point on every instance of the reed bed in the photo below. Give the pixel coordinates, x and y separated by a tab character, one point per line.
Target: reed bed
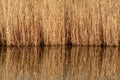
59	22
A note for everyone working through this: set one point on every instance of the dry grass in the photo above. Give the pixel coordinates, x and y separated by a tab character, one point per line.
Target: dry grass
59	22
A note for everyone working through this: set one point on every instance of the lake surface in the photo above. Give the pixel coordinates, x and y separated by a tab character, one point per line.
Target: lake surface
60	63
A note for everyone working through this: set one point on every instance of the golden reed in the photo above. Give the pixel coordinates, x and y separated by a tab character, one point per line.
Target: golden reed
60	22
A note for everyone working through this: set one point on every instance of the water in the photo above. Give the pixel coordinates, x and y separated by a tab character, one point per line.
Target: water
60	63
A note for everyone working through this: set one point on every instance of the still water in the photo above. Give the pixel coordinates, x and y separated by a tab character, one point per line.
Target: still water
60	63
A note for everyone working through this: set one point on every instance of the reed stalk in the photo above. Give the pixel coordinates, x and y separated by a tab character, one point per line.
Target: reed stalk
59	22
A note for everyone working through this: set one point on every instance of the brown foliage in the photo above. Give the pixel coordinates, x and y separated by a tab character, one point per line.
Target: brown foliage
59	22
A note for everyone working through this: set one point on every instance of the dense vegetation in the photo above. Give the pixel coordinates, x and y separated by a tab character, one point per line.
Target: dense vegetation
59	22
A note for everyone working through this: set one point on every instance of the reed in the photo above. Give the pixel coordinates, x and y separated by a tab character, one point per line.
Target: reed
59	22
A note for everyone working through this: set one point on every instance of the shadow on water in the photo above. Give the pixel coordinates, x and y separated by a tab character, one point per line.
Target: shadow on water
60	63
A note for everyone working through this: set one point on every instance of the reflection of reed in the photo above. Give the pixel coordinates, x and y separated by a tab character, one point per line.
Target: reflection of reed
59	63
